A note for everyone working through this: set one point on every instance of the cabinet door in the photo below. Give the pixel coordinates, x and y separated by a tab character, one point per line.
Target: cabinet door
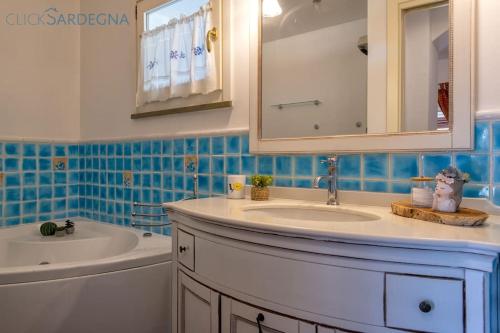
197	307
241	318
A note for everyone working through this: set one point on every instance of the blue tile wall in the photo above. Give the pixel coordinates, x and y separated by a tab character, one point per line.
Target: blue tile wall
433	163
349	166
303	166
405	166
32	190
219	156
283	166
376	165
265	165
375	186
102	180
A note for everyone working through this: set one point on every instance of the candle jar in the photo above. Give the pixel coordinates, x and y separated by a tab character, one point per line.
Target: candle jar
236	186
422	190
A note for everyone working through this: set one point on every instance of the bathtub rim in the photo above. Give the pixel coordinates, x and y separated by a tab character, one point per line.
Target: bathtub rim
148	251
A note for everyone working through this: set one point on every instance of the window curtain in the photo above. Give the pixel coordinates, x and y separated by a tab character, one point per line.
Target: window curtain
174	61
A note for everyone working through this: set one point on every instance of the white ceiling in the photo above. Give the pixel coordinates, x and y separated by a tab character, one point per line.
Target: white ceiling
300	16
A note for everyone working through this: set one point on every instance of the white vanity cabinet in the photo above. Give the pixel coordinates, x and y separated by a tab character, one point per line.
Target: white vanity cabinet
185	249
440	303
229	277
237	317
197	307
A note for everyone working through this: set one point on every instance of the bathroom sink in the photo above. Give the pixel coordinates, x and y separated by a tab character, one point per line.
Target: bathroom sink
309	213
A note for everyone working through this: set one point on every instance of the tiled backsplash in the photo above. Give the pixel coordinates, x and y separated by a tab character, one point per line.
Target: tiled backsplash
102	180
38	182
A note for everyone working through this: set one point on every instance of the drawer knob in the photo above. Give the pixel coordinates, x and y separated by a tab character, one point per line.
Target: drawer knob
260	319
425	306
182	249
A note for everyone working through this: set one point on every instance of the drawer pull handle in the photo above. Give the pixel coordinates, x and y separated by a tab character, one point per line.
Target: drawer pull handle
182	249
425	306
260	319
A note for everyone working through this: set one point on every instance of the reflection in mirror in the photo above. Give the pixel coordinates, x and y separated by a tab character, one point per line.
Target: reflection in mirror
314	68
426	83
361	75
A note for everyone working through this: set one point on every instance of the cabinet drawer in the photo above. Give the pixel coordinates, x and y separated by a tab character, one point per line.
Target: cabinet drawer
336	292
425	304
185	249
322	329
243	318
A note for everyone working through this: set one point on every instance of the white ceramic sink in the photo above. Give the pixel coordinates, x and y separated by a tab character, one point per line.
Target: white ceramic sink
308	213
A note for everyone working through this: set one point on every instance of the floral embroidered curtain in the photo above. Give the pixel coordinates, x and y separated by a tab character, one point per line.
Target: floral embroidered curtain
174	60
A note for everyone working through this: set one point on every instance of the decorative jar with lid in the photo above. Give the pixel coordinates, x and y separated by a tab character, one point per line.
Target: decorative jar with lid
422	190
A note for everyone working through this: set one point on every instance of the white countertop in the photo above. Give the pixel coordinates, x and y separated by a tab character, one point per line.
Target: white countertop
389	229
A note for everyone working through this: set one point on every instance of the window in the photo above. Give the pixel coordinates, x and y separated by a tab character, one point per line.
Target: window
180	55
165	13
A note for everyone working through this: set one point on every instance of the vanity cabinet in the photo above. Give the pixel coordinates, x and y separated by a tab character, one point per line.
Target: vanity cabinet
228	278
185	249
322	329
242	318
424	304
197	307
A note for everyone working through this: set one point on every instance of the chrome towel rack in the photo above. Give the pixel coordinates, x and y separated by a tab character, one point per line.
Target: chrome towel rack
137	204
148	215
315	102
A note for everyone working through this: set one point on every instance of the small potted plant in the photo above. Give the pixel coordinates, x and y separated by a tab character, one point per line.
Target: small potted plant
70	227
260	190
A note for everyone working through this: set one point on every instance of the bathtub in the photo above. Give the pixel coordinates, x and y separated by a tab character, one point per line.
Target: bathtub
103	278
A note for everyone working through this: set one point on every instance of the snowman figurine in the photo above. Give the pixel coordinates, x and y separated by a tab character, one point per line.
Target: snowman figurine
449	190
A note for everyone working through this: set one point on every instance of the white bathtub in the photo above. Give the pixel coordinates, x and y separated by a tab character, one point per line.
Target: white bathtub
103	278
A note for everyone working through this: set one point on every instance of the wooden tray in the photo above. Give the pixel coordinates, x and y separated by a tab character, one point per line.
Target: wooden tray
464	216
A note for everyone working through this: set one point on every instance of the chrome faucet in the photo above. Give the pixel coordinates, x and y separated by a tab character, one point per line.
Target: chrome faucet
196	180
332	180
196	194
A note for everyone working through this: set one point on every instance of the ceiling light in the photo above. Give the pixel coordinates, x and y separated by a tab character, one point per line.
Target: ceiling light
271	8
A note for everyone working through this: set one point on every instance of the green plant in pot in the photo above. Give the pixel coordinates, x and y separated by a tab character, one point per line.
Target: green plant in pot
260	189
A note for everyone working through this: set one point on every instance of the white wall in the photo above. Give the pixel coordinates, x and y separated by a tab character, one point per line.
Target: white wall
325	65
39	74
108	62
377	66
488	43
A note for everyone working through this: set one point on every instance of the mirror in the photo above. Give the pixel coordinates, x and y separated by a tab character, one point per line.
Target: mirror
354	67
314	68
426	74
